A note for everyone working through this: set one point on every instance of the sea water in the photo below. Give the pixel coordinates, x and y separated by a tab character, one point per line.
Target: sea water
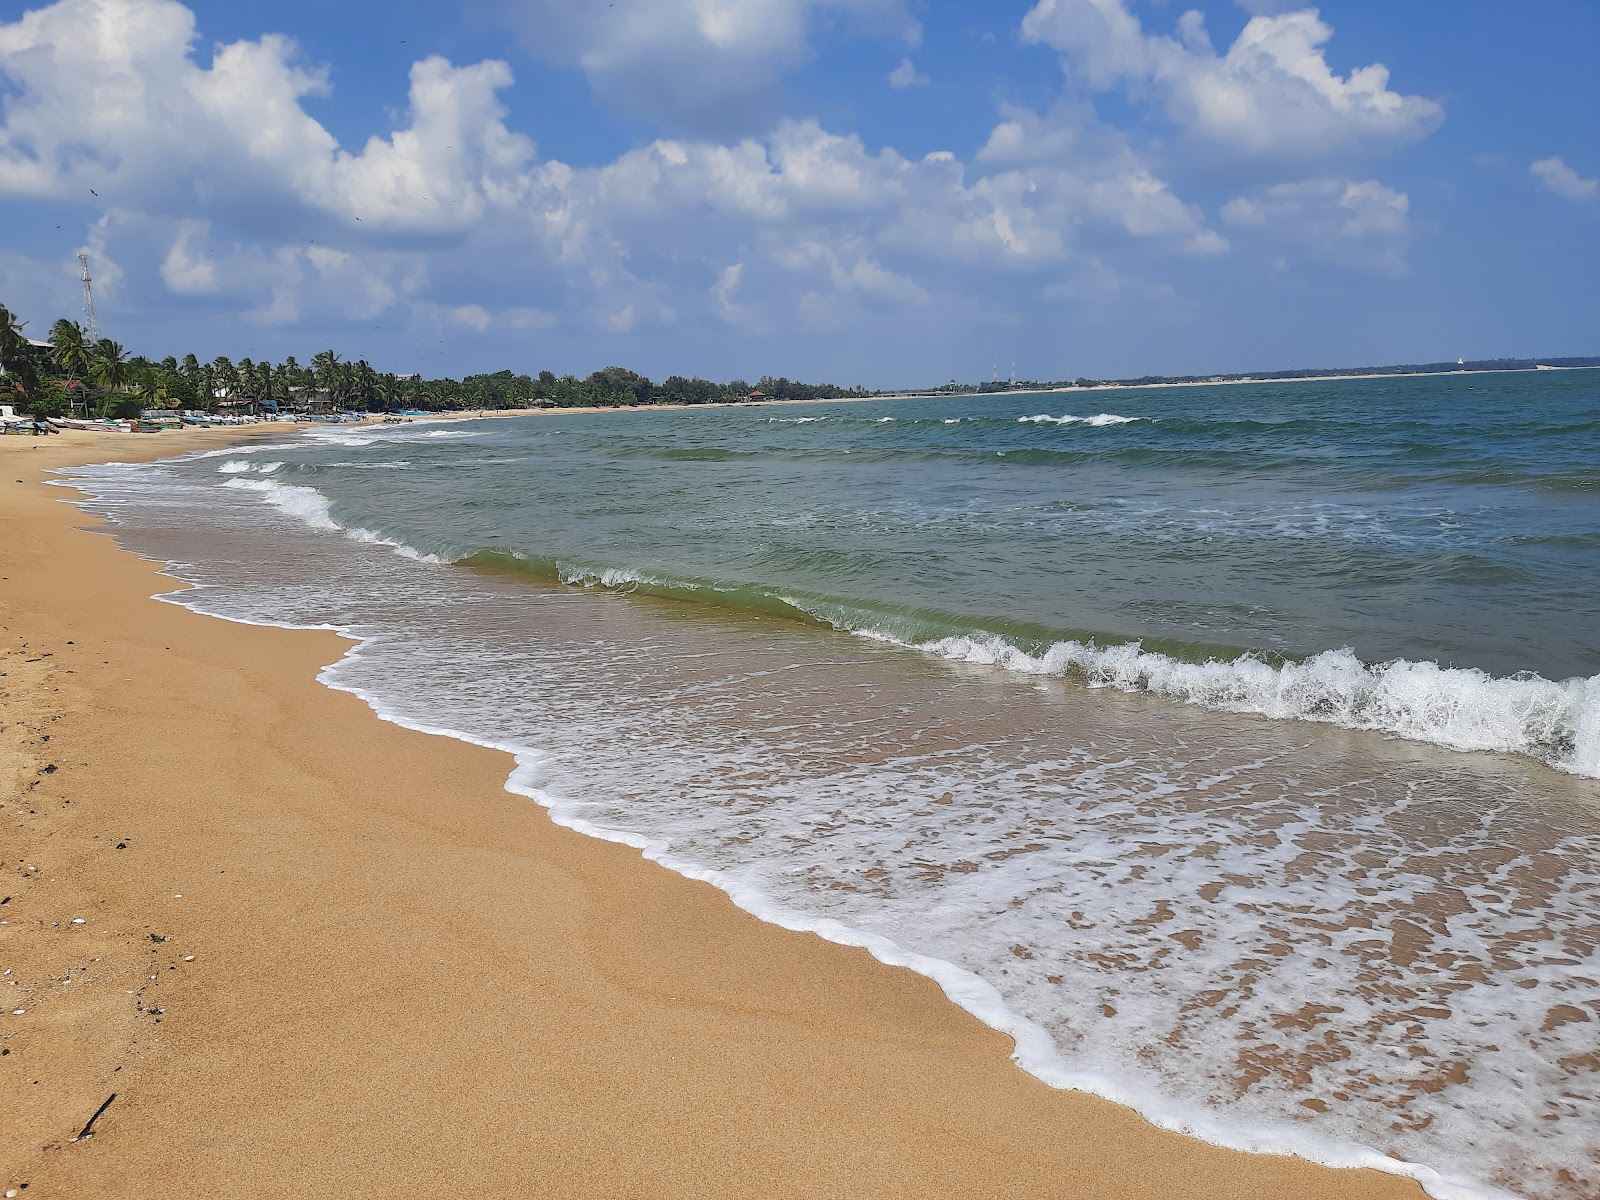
1234	748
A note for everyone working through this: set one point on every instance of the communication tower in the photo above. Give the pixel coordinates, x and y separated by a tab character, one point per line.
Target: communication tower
92	327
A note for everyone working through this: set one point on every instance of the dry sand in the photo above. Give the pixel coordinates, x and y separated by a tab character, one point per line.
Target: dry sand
325	956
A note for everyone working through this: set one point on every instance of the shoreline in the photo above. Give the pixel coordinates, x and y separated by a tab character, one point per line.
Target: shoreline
403	974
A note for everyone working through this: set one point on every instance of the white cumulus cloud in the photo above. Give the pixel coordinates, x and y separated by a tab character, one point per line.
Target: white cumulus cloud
697	65
1564	181
1351	223
906	75
1271	94
111	103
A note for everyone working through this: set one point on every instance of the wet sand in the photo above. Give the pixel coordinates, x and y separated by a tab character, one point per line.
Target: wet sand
320	954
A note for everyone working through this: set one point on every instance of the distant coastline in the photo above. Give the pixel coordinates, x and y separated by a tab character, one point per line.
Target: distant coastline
1480	367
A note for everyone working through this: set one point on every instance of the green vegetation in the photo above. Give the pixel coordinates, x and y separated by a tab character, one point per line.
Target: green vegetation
71	375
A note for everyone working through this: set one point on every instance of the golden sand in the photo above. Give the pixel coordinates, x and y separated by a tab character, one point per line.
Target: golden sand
321	955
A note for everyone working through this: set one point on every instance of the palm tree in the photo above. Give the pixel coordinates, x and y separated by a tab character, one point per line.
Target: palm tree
327	372
344	383
13	344
108	365
365	380
148	383
226	376
288	373
16	358
68	347
205	388
390	391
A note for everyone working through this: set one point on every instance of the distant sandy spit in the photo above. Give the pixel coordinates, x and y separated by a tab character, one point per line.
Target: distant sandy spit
311	954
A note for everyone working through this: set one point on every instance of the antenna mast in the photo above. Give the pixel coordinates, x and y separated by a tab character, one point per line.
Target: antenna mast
92	330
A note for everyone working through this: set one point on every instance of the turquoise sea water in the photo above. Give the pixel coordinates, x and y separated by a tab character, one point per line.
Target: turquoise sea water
1232	747
1454	520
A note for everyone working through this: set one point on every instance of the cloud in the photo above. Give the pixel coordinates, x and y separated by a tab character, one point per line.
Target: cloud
701	66
1564	181
906	75
109	101
1272	95
217	184
1349	223
1092	174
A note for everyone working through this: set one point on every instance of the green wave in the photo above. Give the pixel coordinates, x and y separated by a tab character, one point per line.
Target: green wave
912	625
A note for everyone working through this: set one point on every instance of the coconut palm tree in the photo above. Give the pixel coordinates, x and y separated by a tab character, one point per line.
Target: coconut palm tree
13	344
328	373
205	388
68	347
16	359
391	394
226	376
365	381
108	365
288	379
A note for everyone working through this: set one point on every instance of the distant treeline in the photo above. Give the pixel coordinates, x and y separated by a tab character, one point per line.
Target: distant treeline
69	371
613	386
1437	368
72	372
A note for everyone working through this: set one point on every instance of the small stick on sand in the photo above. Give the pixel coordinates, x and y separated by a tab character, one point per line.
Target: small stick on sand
88	1129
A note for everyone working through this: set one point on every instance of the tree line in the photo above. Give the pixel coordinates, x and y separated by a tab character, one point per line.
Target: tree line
71	373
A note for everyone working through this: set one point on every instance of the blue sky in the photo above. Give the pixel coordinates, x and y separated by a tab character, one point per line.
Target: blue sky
861	191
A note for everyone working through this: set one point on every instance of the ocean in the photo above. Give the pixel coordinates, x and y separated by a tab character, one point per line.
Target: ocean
1234	748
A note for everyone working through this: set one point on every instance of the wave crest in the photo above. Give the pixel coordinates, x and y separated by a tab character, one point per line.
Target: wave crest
1097	421
1458	708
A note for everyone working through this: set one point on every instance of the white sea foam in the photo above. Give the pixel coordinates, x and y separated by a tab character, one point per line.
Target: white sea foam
605	577
303	503
311	507
1461	709
235	451
1096	421
342	439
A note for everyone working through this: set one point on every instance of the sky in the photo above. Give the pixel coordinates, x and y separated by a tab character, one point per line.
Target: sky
875	192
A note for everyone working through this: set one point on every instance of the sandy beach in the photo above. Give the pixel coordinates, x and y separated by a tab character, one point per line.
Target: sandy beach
312	953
